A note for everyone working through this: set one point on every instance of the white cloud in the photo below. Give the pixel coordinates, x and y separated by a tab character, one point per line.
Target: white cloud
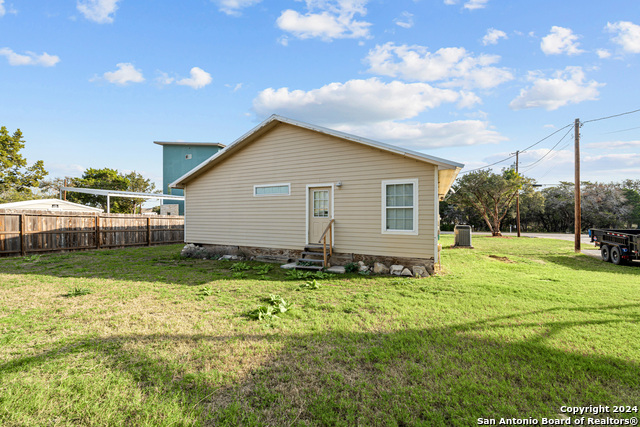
29	58
378	110
603	53
612	161
164	78
628	35
493	36
126	73
235	88
468	99
419	136
355	101
618	145
560	40
233	7
453	66
2	9
405	20
100	11
199	79
565	87
476	4
469	5
326	20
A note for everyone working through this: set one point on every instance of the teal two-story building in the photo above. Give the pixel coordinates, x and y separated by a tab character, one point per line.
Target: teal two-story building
178	158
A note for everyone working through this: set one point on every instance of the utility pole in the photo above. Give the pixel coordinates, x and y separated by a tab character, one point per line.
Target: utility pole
578	210
517	198
517	153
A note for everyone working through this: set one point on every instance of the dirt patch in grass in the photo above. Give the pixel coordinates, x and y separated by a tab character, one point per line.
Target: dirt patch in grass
502	259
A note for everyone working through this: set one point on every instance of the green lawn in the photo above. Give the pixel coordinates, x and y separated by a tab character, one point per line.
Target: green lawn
514	328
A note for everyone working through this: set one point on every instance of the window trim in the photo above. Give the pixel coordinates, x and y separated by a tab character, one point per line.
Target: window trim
414	181
287	184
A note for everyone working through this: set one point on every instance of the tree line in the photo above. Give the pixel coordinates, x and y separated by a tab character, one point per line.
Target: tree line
21	181
486	200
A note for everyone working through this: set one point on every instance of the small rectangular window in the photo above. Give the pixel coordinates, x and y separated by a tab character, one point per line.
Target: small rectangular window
272	190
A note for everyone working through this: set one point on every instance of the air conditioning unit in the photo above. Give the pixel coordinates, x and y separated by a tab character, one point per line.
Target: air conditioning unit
462	235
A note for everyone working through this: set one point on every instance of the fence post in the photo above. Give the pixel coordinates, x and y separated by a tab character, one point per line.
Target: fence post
23	237
148	231
97	231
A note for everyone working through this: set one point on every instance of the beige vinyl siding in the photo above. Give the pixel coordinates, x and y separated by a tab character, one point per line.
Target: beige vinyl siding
223	210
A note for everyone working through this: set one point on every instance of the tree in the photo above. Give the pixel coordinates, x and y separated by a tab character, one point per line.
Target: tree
531	206
489	193
109	179
631	190
16	178
558	210
603	206
139	184
103	179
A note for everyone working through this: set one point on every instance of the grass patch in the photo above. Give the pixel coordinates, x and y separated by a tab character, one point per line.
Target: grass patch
77	292
162	340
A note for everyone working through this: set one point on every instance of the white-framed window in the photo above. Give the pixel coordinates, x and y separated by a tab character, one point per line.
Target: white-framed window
272	190
400	206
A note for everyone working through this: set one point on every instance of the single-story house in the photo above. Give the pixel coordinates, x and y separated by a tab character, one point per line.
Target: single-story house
275	190
51	205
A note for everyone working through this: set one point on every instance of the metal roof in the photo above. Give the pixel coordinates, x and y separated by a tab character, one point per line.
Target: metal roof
116	193
273	120
206	144
26	203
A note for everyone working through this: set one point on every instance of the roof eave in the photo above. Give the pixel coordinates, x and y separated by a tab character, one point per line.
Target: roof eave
274	119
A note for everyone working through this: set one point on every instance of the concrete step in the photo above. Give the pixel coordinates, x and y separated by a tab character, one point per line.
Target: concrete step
312	253
309	267
311	260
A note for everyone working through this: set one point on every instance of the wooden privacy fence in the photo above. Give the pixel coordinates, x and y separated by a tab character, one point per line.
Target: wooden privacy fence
23	232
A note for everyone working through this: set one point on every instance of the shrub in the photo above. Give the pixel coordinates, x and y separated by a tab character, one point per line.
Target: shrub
351	267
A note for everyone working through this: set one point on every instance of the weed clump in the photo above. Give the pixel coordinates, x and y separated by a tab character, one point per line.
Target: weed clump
77	292
310	284
275	305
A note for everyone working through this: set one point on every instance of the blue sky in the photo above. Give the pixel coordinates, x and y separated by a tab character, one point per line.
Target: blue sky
92	83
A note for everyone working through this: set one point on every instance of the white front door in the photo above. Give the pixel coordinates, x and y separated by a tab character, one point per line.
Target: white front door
319	212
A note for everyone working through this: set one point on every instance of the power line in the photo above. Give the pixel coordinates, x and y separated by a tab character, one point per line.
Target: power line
548	152
521	151
621	130
554	166
611	117
549	136
487	166
546	137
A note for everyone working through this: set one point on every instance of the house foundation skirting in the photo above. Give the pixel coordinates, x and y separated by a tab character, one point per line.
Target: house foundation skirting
289	255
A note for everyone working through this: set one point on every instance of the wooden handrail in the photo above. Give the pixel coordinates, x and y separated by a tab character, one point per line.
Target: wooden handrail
326	229
323	240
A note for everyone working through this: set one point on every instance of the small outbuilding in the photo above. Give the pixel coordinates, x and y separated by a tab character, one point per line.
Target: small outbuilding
52	205
277	189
